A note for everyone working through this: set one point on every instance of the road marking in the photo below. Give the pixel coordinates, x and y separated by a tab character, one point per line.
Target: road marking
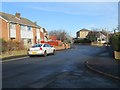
13	59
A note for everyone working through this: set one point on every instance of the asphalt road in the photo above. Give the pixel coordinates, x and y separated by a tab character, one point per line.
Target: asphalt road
65	69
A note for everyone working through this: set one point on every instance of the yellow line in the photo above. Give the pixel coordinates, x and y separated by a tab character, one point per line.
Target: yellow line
13	59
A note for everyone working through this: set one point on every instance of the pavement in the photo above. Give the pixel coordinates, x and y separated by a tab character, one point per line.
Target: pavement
19	56
105	64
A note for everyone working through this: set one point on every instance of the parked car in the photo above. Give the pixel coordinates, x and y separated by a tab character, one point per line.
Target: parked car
41	49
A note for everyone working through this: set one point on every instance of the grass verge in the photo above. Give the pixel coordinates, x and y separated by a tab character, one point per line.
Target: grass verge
13	53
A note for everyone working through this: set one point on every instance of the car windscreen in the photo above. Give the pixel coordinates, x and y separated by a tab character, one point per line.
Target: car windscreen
37	45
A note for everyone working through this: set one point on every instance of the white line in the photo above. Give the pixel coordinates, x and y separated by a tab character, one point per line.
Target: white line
14	59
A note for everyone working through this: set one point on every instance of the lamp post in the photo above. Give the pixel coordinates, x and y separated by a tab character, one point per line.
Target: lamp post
107	38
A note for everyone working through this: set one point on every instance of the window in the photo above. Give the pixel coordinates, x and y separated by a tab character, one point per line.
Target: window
23	27
45	45
29	28
12	39
48	45
12	26
37	30
29	41
37	45
103	39
99	39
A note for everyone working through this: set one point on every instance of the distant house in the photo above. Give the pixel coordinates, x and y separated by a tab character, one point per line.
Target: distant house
46	36
98	36
53	38
53	41
82	33
15	27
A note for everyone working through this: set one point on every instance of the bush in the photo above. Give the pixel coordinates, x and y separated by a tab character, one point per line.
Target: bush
3	43
10	45
116	42
82	41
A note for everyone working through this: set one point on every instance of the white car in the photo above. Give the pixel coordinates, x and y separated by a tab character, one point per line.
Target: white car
41	49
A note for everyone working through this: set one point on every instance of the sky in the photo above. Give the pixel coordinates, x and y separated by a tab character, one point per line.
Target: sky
68	16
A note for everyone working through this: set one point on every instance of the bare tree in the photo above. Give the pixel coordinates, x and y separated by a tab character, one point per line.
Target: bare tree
60	35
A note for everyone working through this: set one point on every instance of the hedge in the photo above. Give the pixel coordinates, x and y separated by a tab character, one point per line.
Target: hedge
82	41
116	42
10	45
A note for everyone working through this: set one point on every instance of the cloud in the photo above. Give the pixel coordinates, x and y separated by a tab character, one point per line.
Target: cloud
88	9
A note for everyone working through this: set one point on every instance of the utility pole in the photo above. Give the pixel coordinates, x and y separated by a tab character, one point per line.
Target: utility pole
107	37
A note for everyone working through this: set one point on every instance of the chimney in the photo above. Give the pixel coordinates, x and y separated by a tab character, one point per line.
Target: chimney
35	23
17	15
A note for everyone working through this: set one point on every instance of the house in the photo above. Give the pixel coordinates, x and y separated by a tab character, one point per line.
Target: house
15	27
82	33
46	36
97	36
53	38
53	41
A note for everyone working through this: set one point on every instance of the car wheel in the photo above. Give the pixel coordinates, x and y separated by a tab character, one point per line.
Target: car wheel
30	55
45	54
53	52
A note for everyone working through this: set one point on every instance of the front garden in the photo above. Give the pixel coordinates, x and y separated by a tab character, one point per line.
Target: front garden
11	48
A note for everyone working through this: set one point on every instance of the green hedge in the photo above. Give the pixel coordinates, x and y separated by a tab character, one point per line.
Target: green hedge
116	41
82	41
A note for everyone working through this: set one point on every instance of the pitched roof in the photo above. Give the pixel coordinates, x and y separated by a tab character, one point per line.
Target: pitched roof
14	19
96	33
104	33
84	29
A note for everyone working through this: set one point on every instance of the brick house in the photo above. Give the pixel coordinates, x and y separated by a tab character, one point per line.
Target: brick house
15	27
53	38
54	42
82	33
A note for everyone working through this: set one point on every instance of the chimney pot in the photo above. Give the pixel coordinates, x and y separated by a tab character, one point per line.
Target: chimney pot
17	15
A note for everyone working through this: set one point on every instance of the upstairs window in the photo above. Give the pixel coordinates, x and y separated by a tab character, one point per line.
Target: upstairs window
37	30
29	28
12	26
23	27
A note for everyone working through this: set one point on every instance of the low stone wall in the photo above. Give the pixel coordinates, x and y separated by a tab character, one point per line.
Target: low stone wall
63	46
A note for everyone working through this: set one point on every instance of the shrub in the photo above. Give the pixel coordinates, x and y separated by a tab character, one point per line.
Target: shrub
3	43
10	45
116	42
20	45
14	45
82	41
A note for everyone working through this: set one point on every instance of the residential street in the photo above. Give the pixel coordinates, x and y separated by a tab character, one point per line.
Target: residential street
65	69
